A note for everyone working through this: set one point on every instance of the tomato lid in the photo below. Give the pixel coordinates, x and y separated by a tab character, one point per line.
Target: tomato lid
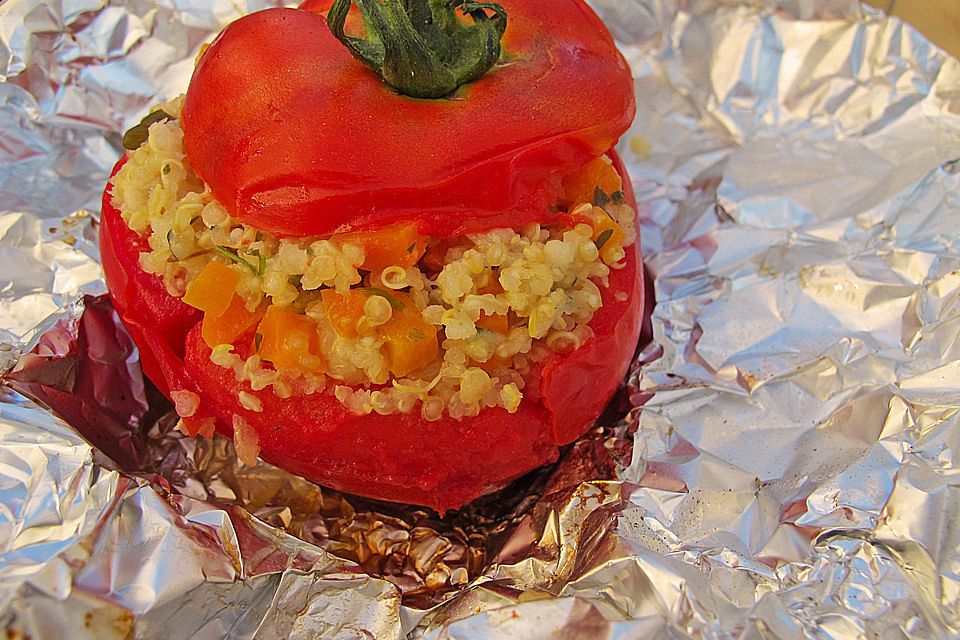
297	138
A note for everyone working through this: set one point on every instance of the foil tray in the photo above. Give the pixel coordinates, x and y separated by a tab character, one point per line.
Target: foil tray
781	463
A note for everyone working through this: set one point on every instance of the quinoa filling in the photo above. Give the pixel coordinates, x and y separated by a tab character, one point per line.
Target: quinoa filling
385	321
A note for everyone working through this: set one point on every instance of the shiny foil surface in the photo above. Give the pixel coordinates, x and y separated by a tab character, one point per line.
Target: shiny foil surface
783	462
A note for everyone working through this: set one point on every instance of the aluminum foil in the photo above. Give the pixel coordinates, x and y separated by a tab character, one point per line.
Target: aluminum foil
783	462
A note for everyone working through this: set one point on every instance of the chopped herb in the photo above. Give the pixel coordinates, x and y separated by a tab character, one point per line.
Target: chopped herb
261	263
415	335
600	198
166	169
236	258
411	247
137	134
602	238
394	303
170	245
618	197
257	339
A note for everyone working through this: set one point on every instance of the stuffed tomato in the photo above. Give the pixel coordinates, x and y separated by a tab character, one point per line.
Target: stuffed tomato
413	298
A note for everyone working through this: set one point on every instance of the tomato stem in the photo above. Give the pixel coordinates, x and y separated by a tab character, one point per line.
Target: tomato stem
422	48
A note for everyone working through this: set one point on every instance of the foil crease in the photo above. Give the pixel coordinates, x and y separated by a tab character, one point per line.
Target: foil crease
781	464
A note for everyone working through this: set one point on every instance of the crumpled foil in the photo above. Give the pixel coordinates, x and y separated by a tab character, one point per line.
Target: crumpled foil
783	462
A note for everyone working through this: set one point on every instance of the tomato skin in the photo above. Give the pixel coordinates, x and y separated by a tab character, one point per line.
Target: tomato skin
576	387
297	138
400	457
157	321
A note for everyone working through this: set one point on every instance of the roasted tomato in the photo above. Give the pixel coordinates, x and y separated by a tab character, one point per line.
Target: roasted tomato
308	151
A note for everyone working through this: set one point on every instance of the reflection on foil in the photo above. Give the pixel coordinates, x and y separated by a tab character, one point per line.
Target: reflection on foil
786	462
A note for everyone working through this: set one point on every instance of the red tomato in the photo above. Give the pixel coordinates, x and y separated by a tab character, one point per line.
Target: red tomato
403	458
297	138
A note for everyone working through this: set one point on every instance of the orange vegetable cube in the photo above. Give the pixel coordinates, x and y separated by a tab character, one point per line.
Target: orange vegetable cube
397	244
606	231
344	310
411	341
493	322
213	288
579	186
233	323
289	340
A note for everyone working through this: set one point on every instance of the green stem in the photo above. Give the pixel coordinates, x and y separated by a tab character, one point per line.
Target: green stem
421	48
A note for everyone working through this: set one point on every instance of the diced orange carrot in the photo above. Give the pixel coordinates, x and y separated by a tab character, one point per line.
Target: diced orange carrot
411	341
606	231
397	244
234	322
580	186
344	310
289	340
493	322
213	288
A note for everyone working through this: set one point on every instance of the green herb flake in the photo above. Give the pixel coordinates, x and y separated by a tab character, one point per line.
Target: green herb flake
602	238
137	134
618	197
415	335
261	263
166	169
411	247
394	303
170	245
600	198
257	339
236	258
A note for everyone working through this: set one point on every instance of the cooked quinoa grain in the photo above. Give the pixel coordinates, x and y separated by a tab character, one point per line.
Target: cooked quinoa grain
499	302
